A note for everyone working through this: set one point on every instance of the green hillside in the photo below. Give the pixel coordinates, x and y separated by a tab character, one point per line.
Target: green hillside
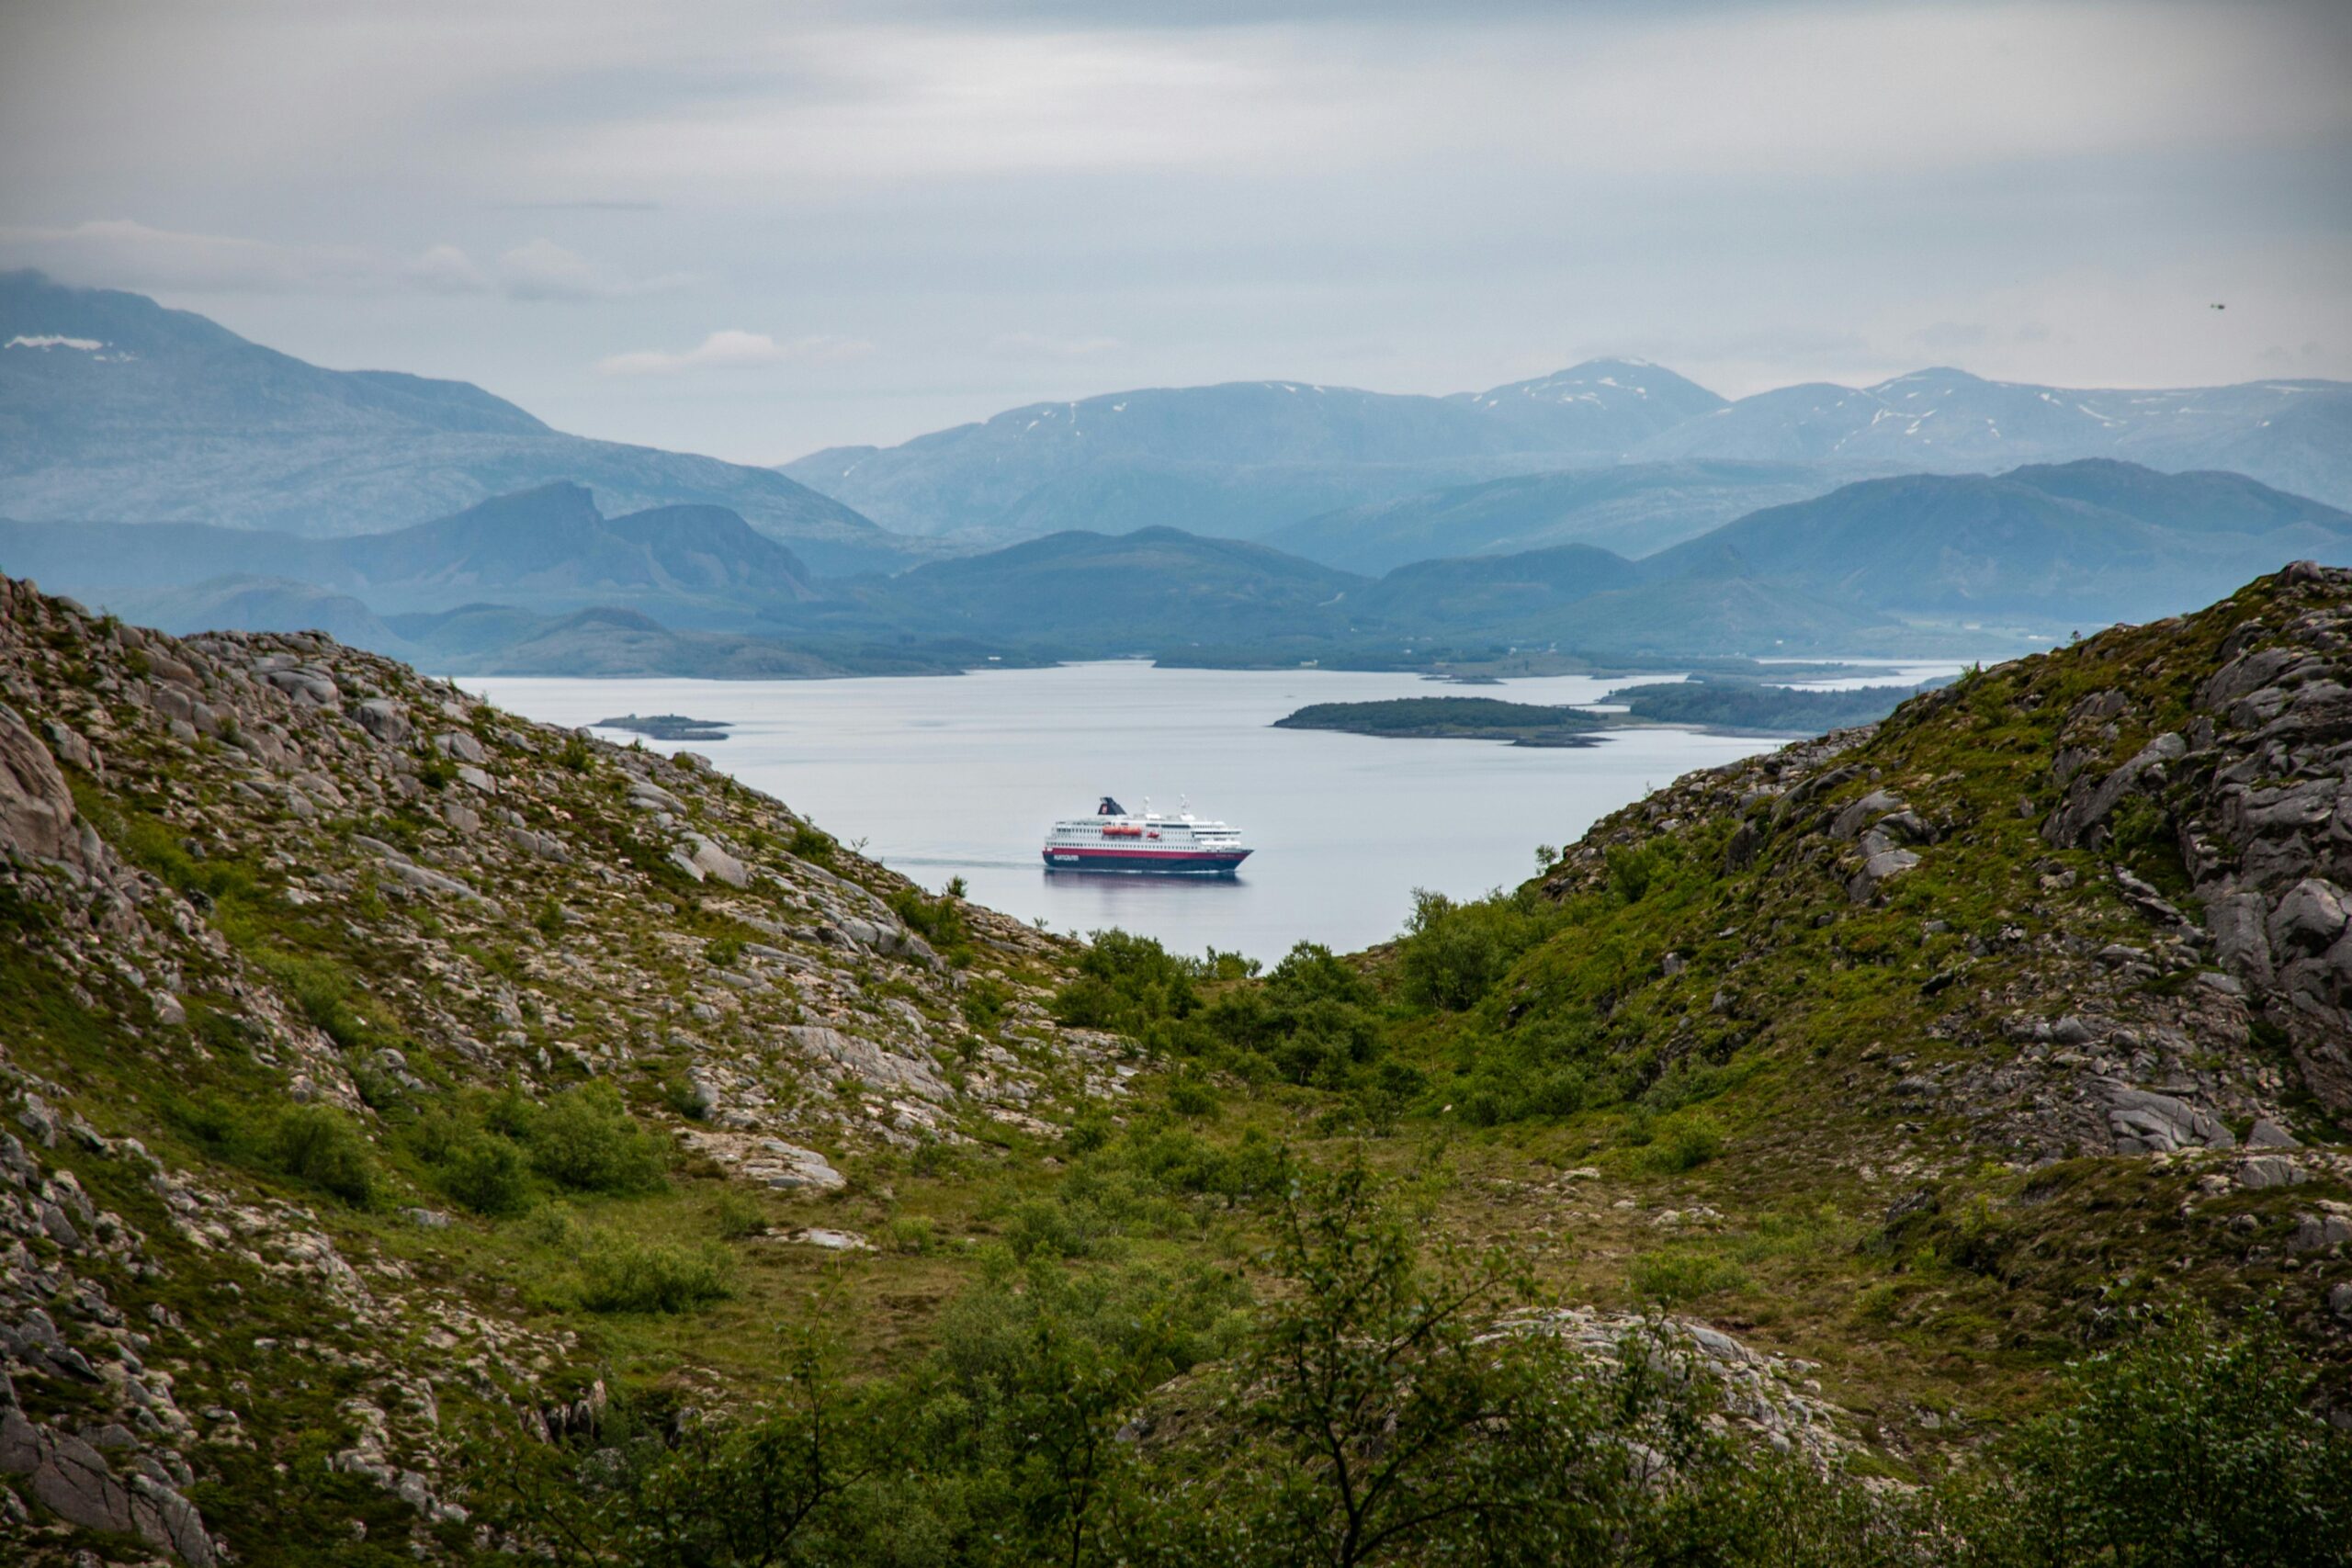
436	1136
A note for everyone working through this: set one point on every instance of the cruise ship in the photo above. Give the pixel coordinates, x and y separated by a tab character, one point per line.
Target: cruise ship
1116	840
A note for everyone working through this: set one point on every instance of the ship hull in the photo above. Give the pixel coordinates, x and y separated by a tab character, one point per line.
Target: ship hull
1146	863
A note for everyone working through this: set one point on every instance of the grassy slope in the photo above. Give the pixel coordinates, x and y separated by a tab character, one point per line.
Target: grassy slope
1742	1167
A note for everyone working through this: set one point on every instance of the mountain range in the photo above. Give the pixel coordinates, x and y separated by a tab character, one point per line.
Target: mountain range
548	547
1242	459
1313	467
114	409
1872	566
1633	509
174	471
544	582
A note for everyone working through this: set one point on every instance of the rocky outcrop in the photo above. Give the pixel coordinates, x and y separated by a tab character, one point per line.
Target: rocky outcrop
72	1479
2055	998
36	806
2258	790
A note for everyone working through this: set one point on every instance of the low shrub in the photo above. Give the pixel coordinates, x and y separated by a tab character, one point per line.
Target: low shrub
983	1004
322	1148
740	1216
487	1174
939	922
586	1139
1686	1142
1671	1277
321	990
620	1273
813	844
1452	953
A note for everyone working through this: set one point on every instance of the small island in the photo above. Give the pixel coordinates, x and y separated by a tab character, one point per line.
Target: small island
1753	708
1453	718
1717	704
668	727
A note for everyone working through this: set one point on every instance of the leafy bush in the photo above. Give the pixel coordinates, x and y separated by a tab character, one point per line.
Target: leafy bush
322	1146
1188	1094
586	1139
2190	1444
983	1004
474	1167
1674	1275
1043	1226
1686	1142
1129	983
909	1235
1631	871
813	844
622	1273
939	922
487	1174
740	1216
1452	953
321	990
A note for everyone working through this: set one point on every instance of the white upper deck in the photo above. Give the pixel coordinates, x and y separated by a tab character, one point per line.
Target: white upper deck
1146	829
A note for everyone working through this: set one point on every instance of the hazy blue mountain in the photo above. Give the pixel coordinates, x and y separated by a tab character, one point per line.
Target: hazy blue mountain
1164	592
1697	617
1239	459
259	604
1600	408
2293	435
1490	592
1633	509
548	551
1128	593
114	409
2095	540
468	632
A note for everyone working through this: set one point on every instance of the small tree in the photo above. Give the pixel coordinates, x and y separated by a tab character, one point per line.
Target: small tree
2188	1445
749	1493
1385	1427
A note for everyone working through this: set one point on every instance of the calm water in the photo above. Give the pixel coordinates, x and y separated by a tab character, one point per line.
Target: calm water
960	776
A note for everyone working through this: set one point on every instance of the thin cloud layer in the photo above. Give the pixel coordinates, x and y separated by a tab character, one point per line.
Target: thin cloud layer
124	253
735	350
1055	198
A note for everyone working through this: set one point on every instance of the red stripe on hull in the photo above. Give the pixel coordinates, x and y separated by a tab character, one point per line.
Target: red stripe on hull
1173	860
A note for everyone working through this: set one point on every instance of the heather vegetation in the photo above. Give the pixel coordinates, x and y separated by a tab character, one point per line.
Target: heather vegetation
1843	1158
1387	1402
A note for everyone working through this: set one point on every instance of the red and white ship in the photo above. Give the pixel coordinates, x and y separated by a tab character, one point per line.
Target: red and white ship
1116	840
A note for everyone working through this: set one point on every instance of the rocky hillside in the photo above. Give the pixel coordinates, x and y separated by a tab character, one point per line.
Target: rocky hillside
2190	765
416	1116
268	901
2048	974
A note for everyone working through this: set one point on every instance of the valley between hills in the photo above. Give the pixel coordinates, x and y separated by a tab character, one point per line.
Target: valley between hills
432	1134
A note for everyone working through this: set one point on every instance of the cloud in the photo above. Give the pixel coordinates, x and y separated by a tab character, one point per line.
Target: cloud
445	269
124	253
733	349
1041	345
121	253
1794	90
545	270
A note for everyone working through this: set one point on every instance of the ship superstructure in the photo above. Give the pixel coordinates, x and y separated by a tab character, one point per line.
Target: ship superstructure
1114	839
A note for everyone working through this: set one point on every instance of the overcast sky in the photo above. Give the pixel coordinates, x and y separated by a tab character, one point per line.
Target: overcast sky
754	230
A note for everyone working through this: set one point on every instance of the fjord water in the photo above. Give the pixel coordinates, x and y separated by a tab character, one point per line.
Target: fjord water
955	776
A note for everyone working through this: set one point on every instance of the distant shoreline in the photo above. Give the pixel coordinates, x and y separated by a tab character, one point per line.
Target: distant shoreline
1733	708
